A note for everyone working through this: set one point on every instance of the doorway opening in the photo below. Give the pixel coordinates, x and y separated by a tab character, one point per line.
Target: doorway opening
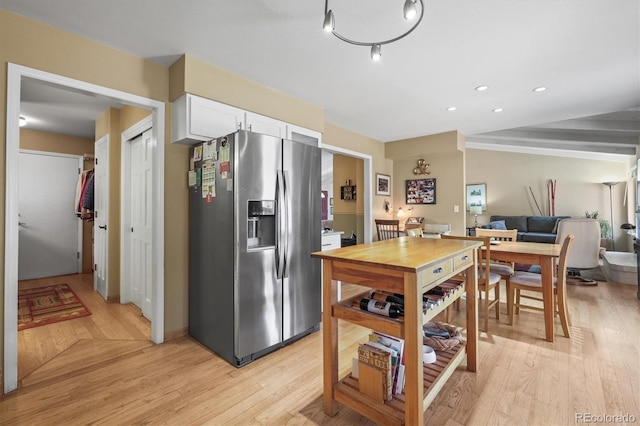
365	193
15	75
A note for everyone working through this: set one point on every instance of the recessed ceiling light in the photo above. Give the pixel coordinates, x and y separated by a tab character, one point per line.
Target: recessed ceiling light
452	108
540	89
481	88
498	110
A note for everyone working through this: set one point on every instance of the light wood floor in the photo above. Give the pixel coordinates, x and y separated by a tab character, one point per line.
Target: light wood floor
104	370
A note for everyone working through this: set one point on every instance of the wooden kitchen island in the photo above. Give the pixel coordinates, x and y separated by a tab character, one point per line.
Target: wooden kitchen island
410	266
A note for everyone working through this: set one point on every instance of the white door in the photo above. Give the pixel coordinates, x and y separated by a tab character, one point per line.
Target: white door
141	215
49	238
101	217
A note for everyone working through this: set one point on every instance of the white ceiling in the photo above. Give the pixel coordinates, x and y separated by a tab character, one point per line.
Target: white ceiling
586	52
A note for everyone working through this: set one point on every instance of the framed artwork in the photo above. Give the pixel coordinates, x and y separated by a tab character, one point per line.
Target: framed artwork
383	184
421	191
348	192
477	195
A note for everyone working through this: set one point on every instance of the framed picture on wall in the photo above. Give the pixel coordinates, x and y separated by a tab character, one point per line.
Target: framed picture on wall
421	191
383	184
477	195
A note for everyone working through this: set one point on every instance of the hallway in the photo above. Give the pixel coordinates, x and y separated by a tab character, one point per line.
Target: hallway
43	352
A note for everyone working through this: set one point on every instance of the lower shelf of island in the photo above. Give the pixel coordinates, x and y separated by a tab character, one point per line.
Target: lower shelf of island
392	412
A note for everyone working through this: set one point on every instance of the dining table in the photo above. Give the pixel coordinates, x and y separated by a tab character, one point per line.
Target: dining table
543	254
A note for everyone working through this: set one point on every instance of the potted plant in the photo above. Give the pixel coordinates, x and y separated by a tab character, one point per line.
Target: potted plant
606	232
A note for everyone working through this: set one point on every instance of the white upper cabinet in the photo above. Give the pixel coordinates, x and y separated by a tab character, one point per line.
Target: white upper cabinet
198	119
266	125
300	134
195	119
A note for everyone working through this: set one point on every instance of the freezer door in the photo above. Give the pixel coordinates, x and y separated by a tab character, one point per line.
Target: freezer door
301	285
257	291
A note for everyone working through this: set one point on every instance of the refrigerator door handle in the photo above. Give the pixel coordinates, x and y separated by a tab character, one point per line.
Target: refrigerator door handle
280	226
288	221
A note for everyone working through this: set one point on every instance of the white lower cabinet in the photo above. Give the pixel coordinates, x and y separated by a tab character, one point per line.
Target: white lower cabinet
330	241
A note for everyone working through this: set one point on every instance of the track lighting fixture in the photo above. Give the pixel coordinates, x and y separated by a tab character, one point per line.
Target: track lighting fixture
410	12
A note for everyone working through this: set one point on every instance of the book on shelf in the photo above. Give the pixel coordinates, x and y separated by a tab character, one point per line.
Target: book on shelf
382	360
395	360
397	345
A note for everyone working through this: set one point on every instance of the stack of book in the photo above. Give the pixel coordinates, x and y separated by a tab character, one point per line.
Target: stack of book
380	366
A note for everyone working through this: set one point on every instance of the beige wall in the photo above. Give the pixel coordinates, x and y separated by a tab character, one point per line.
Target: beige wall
65	144
446	158
53	142
579	185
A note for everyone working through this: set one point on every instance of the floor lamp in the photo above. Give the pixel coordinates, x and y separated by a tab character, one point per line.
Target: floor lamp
611	185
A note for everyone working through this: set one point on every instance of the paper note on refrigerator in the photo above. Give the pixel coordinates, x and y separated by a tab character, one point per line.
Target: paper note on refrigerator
208	179
192	178
197	153
223	155
209	150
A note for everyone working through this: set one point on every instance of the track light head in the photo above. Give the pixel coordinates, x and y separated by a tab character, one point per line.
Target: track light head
329	22
376	52
410	10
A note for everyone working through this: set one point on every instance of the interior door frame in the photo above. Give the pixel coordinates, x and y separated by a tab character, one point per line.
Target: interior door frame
368	182
81	168
15	73
125	205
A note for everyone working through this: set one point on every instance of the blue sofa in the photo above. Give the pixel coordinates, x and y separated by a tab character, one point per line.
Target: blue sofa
536	229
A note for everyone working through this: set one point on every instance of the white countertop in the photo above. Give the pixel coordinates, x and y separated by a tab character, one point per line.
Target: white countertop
332	233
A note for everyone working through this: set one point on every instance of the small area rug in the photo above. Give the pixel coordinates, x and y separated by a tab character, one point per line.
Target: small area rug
47	305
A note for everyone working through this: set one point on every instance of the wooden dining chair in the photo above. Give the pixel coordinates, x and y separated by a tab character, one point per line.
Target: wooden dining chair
487	280
413	230
532	282
504	269
387	229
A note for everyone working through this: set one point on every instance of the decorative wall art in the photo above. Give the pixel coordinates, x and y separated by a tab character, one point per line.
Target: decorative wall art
383	184
421	168
421	191
477	195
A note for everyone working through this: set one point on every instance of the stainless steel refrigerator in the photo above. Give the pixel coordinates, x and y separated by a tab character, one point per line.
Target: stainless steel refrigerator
255	217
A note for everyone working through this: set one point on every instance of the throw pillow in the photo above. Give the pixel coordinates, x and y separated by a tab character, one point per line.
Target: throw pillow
498	224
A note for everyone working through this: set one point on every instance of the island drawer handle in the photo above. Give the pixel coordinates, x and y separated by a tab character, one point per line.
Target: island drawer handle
465	257
437	271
